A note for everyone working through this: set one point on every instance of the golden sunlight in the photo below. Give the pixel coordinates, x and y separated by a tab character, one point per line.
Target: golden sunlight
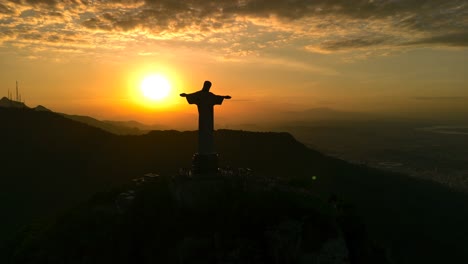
155	87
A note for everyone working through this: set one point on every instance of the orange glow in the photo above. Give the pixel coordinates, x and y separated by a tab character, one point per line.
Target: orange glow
154	88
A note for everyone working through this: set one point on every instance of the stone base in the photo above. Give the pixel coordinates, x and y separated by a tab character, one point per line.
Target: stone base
205	164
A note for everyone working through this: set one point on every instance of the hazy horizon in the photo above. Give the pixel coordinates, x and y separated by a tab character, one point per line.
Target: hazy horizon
282	119
404	58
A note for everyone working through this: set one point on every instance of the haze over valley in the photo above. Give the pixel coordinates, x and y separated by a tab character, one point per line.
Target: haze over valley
431	148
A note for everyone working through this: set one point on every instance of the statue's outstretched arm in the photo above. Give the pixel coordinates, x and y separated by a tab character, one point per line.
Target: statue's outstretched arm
227	97
183	94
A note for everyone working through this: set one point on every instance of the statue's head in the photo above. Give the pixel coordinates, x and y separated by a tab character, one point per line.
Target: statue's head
206	86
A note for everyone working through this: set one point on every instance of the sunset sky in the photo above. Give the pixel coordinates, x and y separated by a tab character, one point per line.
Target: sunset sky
271	56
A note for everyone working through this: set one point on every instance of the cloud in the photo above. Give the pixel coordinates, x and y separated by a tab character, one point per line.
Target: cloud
354	43
459	39
5	9
243	27
39	2
439	98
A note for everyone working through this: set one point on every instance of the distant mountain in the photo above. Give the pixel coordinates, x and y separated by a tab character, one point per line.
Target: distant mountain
324	113
41	108
7	103
135	124
115	127
50	163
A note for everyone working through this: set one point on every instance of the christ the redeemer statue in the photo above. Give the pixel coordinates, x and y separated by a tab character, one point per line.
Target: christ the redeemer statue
205	101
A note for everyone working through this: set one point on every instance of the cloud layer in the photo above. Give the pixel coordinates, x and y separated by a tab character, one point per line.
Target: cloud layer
234	28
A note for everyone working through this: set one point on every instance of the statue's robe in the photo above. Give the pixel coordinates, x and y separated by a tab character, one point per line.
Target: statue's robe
205	102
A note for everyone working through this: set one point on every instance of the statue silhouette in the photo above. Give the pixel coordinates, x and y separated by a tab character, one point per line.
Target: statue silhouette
205	101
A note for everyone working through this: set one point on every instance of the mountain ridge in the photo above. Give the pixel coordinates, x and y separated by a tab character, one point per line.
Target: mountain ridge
112	127
63	162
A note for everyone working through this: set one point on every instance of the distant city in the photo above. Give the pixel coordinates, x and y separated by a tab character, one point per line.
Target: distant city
433	152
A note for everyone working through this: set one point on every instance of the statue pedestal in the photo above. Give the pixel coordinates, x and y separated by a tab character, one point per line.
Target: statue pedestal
205	164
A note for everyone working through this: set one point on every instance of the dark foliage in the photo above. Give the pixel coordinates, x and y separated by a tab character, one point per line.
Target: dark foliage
238	226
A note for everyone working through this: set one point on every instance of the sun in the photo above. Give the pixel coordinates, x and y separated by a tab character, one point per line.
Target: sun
155	87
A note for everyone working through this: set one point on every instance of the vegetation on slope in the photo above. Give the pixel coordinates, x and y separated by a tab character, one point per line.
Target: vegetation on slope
250	224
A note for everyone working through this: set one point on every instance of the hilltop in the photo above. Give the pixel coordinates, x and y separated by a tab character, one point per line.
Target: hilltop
7	103
51	164
115	127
